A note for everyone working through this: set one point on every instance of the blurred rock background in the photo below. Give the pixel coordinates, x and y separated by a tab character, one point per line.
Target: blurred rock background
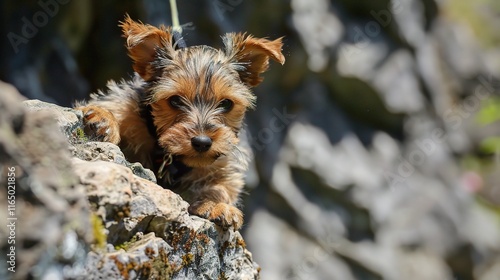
376	145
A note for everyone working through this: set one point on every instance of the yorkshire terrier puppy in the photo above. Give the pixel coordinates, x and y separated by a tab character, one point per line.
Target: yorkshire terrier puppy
182	113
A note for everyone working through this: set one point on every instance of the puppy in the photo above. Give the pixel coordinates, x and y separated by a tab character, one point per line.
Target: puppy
182	113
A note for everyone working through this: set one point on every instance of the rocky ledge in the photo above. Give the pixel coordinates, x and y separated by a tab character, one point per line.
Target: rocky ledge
84	212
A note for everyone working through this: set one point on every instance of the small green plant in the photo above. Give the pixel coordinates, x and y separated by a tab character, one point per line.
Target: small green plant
99	231
126	245
489	114
80	135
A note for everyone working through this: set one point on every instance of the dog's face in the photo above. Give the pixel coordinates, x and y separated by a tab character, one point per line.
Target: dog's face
198	105
199	94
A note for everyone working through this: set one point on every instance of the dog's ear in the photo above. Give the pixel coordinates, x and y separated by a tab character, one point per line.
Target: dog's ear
143	43
251	55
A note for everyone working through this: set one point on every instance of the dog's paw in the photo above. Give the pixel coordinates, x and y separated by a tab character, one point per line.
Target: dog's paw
100	123
222	214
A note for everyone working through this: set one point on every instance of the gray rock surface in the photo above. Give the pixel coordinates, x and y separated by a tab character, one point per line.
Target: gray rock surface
176	246
84	212
50	212
377	175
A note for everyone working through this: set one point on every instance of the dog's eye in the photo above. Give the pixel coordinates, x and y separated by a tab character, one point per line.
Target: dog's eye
175	101
226	105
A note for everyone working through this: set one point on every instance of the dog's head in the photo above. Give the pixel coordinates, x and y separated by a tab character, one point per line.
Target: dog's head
198	94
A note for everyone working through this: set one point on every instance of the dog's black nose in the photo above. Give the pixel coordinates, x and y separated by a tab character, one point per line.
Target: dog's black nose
201	143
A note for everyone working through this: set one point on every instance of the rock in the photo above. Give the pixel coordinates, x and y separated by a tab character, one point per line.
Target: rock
177	245
319	30
84	212
48	211
93	151
71	124
68	119
145	259
379	185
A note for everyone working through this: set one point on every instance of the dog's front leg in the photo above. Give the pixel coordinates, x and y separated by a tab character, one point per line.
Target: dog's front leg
215	203
100	123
